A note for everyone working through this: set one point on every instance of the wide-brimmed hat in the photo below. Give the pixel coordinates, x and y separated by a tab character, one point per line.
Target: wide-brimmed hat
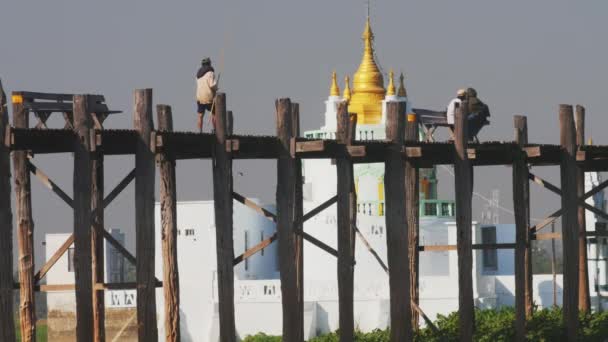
461	92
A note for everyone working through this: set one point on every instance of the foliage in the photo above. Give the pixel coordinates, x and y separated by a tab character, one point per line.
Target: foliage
261	337
490	326
41	330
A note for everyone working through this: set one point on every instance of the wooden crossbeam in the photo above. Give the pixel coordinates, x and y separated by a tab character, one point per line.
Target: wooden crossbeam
49	183
253	250
53	260
546	236
251	204
99	286
310	146
119	188
121	286
479	246
558	236
597	233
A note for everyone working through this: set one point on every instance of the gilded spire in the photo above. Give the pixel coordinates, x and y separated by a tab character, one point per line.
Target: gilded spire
401	92
334	90
346	95
368	78
390	90
368	84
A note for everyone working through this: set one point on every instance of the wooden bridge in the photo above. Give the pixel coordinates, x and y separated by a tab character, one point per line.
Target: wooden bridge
402	153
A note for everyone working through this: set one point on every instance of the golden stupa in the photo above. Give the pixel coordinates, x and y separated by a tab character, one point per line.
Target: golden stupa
347	93
334	90
368	85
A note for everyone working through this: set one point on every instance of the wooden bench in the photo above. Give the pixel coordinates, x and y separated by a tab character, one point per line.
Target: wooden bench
430	120
44	104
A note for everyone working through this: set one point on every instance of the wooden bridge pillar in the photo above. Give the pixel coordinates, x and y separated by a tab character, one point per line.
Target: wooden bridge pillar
463	175
298	214
396	225
570	229
412	211
168	217
25	228
7	322
584	302
83	187
222	195
286	188
347	221
144	216
521	207
97	245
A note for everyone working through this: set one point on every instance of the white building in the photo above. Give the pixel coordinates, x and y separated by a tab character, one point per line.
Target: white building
258	291
257	286
61	305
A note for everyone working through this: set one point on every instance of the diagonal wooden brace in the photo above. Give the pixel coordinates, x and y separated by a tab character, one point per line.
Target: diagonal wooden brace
265	243
42	117
49	183
53	260
119	188
317	210
318	243
371	250
253	250
251	204
547	185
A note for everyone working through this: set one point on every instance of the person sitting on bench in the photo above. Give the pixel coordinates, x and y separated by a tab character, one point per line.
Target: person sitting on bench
478	113
460	95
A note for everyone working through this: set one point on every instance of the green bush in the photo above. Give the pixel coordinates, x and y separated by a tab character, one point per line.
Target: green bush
490	326
261	337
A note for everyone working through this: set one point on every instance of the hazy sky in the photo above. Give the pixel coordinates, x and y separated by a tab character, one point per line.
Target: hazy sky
523	57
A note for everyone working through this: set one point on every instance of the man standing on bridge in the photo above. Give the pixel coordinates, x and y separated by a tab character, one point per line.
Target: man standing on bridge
206	86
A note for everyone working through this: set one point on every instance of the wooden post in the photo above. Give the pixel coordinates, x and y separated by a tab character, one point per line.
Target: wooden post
396	225
83	127
25	229
97	245
222	195
168	217
570	229
298	214
347	220
412	211
521	206
286	174
7	322
229	122
144	217
463	175
583	272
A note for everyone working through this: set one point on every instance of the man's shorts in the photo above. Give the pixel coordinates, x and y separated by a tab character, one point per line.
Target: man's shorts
202	107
